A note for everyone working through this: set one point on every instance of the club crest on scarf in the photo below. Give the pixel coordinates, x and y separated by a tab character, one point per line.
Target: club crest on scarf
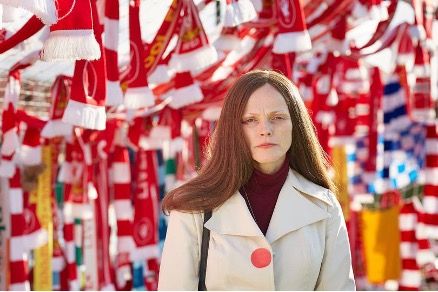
143	231
288	15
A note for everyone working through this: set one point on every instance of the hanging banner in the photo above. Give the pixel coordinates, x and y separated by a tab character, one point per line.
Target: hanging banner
42	273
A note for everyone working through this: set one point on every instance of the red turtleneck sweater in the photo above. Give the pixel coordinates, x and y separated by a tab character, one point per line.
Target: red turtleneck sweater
263	190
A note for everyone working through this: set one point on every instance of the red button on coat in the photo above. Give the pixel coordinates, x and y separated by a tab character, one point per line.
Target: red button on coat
261	257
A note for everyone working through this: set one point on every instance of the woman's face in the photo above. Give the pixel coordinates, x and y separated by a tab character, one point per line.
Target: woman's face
267	127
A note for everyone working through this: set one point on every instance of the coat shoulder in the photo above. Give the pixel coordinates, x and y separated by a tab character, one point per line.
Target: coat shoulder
312	189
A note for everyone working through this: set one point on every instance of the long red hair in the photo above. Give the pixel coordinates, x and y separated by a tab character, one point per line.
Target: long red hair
229	164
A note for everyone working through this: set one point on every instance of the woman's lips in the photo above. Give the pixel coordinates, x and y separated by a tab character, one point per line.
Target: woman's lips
266	145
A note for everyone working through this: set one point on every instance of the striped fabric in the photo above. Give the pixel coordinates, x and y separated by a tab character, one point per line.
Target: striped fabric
66	176
121	180
114	95
410	279
430	200
18	264
415	247
402	140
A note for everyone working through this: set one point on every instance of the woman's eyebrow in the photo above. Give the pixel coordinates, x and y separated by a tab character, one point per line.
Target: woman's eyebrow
273	112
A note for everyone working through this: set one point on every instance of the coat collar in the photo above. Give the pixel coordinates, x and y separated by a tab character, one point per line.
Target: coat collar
292	210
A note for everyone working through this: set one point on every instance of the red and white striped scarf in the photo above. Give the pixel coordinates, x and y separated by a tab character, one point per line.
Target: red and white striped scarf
114	95
86	106
422	103
67	175
18	265
430	199
145	227
60	94
121	185
138	94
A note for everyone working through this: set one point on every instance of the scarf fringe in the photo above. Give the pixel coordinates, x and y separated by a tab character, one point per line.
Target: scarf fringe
71	45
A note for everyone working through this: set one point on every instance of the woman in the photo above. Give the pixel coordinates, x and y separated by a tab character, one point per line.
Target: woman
276	224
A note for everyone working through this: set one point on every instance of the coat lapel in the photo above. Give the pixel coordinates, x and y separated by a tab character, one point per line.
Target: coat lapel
292	211
233	218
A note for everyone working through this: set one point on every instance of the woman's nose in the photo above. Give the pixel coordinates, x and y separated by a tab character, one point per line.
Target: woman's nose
266	128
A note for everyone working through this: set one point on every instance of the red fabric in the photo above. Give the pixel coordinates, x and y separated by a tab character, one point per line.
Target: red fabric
30	120
283	63
73	15
137	71
19	272
192	36
171	25
294	20
171	118
60	94
31	27
32	137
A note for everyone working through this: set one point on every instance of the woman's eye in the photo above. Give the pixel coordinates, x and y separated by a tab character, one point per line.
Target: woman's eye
249	121
278	118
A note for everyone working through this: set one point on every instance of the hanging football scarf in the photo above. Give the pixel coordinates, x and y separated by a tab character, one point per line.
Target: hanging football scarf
71	174
154	51
72	36
59	95
145	229
373	122
86	106
430	199
138	94
292	35
90	251
121	180
422	103
103	228
410	278
192	52
111	43
146	207
43	255
34	234
18	266
10	139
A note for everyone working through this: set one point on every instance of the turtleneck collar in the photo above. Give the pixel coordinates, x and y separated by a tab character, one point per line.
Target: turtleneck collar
260	180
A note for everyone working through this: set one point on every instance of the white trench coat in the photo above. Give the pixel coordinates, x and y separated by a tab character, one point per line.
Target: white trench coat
306	237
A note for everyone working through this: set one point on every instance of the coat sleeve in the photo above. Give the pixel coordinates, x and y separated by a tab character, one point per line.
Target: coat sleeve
336	271
180	258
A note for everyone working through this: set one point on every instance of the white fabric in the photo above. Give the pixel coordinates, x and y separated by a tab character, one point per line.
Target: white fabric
123	209
139	97
71	45
85	115
292	42
56	128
